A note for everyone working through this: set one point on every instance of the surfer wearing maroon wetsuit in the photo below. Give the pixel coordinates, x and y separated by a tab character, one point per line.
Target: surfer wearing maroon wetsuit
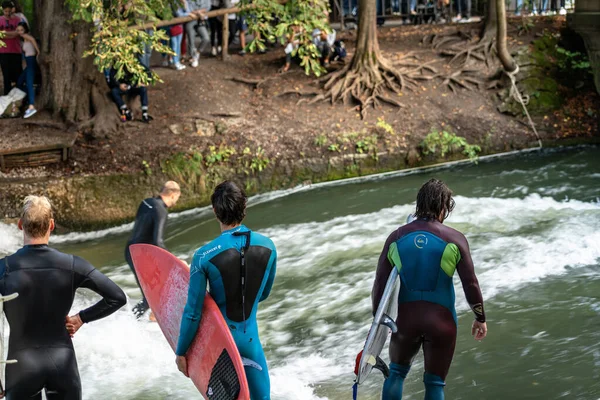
239	267
40	329
150	221
426	254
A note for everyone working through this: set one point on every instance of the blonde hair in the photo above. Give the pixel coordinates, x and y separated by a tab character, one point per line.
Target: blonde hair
36	216
169	188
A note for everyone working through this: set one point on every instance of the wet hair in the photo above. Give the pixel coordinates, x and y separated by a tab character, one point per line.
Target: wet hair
8	4
433	198
24	25
229	203
36	216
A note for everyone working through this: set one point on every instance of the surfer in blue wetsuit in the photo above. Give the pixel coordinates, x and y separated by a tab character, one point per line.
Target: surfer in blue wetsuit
426	254
239	267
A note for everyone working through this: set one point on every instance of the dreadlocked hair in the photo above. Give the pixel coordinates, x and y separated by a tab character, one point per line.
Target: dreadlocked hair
434	198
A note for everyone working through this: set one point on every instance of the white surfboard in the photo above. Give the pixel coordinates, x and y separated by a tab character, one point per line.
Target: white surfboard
3	363
383	324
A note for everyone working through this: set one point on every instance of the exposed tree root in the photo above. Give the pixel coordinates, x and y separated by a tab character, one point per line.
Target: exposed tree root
462	78
482	51
459	45
297	93
255	83
367	84
442	41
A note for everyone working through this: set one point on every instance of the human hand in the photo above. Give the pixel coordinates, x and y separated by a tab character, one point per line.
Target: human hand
479	330
73	324
123	87
182	365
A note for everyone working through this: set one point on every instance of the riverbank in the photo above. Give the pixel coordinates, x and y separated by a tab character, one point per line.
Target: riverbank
208	128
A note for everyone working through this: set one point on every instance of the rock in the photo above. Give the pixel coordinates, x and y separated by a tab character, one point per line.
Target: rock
205	128
175	129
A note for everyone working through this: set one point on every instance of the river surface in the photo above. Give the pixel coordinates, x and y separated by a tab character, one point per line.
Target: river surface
533	223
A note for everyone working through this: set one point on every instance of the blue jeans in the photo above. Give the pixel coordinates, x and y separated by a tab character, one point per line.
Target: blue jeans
175	42
117	95
464	8
26	79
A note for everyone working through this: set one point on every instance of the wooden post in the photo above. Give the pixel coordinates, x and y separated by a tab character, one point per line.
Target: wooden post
225	44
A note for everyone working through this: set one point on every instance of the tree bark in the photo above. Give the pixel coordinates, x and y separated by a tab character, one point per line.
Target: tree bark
73	89
367	45
489	28
505	58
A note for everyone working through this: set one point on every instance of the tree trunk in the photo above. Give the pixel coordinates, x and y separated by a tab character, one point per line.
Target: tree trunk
367	45
505	58
369	75
490	25
73	89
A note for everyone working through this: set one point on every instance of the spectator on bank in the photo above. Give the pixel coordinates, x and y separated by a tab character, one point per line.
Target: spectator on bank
464	11
330	49
216	26
175	33
10	54
30	51
233	26
197	7
18	11
242	27
291	46
124	86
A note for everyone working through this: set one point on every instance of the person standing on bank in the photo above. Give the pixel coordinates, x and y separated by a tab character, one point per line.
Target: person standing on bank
10	53
40	328
239	267
149	228
427	253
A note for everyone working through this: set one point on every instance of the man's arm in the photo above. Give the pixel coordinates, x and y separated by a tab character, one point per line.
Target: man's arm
192	313
267	291
91	278
160	219
384	267
466	271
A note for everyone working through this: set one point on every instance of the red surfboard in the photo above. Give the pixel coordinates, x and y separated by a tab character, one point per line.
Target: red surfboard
214	362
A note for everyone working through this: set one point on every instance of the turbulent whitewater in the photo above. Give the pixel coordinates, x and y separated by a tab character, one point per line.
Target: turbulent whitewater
533	227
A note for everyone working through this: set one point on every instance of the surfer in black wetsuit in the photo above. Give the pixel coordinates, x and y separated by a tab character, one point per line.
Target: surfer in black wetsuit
40	329
149	227
426	254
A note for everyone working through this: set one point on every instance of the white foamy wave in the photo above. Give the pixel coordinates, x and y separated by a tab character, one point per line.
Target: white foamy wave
295	380
11	239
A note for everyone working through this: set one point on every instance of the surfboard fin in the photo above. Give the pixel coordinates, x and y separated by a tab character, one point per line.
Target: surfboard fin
389	322
250	363
382	366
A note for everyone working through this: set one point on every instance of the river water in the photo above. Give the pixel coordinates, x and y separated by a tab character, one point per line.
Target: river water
533	223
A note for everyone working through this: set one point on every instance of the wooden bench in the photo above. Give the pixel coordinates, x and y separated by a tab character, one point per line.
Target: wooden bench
35	156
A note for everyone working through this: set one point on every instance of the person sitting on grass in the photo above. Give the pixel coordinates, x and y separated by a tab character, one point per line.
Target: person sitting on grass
30	52
124	86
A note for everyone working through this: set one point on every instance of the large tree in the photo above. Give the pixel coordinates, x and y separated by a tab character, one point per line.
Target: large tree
74	50
369	77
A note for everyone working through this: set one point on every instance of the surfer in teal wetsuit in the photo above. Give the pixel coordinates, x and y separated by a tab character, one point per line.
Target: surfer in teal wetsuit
239	267
426	254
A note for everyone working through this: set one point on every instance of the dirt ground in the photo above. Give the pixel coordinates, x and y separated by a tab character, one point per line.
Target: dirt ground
245	116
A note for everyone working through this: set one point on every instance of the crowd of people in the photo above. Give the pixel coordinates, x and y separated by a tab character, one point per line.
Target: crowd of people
18	58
